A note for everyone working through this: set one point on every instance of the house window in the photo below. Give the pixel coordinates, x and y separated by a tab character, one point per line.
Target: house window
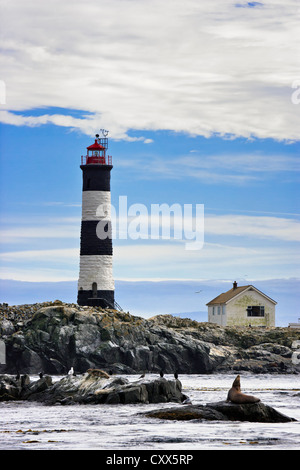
256	311
223	309
219	309
213	310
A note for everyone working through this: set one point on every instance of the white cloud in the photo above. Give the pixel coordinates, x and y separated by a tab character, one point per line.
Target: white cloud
159	219
237	169
234	245
245	163
40	265
255	227
172	261
40	228
197	67
160	260
53	255
176	222
38	274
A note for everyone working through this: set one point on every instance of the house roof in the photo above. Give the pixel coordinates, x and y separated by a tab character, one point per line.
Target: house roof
230	294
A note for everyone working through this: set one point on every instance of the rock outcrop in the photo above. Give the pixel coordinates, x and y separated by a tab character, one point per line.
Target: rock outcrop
222	411
90	388
53	337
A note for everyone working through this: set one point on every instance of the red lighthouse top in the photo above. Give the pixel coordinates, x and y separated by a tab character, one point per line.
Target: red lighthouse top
96	153
95	146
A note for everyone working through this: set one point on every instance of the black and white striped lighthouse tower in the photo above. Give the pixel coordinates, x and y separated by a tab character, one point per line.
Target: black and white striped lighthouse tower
96	284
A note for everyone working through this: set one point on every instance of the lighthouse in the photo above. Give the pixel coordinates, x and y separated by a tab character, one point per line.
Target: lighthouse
96	284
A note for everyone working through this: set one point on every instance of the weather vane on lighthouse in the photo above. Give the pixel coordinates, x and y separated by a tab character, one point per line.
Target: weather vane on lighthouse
104	132
96	284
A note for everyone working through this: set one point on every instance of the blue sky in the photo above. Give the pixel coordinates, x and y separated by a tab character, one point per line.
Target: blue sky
208	117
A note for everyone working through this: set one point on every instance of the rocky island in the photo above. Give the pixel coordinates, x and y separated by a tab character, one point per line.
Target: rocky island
54	336
98	388
93	387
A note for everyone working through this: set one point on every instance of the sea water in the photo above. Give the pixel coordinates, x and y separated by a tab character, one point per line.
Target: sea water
30	425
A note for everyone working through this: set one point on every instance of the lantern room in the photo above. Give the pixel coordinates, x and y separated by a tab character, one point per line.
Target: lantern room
96	153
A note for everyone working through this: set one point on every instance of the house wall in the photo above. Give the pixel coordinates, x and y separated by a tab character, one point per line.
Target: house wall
217	314
237	310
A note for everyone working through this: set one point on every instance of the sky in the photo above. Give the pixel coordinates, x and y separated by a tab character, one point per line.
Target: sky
202	104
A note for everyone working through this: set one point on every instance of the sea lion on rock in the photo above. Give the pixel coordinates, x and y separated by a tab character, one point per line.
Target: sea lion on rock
98	373
236	396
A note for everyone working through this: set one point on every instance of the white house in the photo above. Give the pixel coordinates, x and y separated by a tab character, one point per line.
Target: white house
242	306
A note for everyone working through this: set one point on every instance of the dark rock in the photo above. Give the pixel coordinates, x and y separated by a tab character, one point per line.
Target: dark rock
6	327
91	388
36	387
25	380
11	387
223	411
54	336
257	412
61	335
101	390
187	413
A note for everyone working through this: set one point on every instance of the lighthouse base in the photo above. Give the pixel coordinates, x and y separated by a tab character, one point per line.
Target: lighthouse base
104	298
